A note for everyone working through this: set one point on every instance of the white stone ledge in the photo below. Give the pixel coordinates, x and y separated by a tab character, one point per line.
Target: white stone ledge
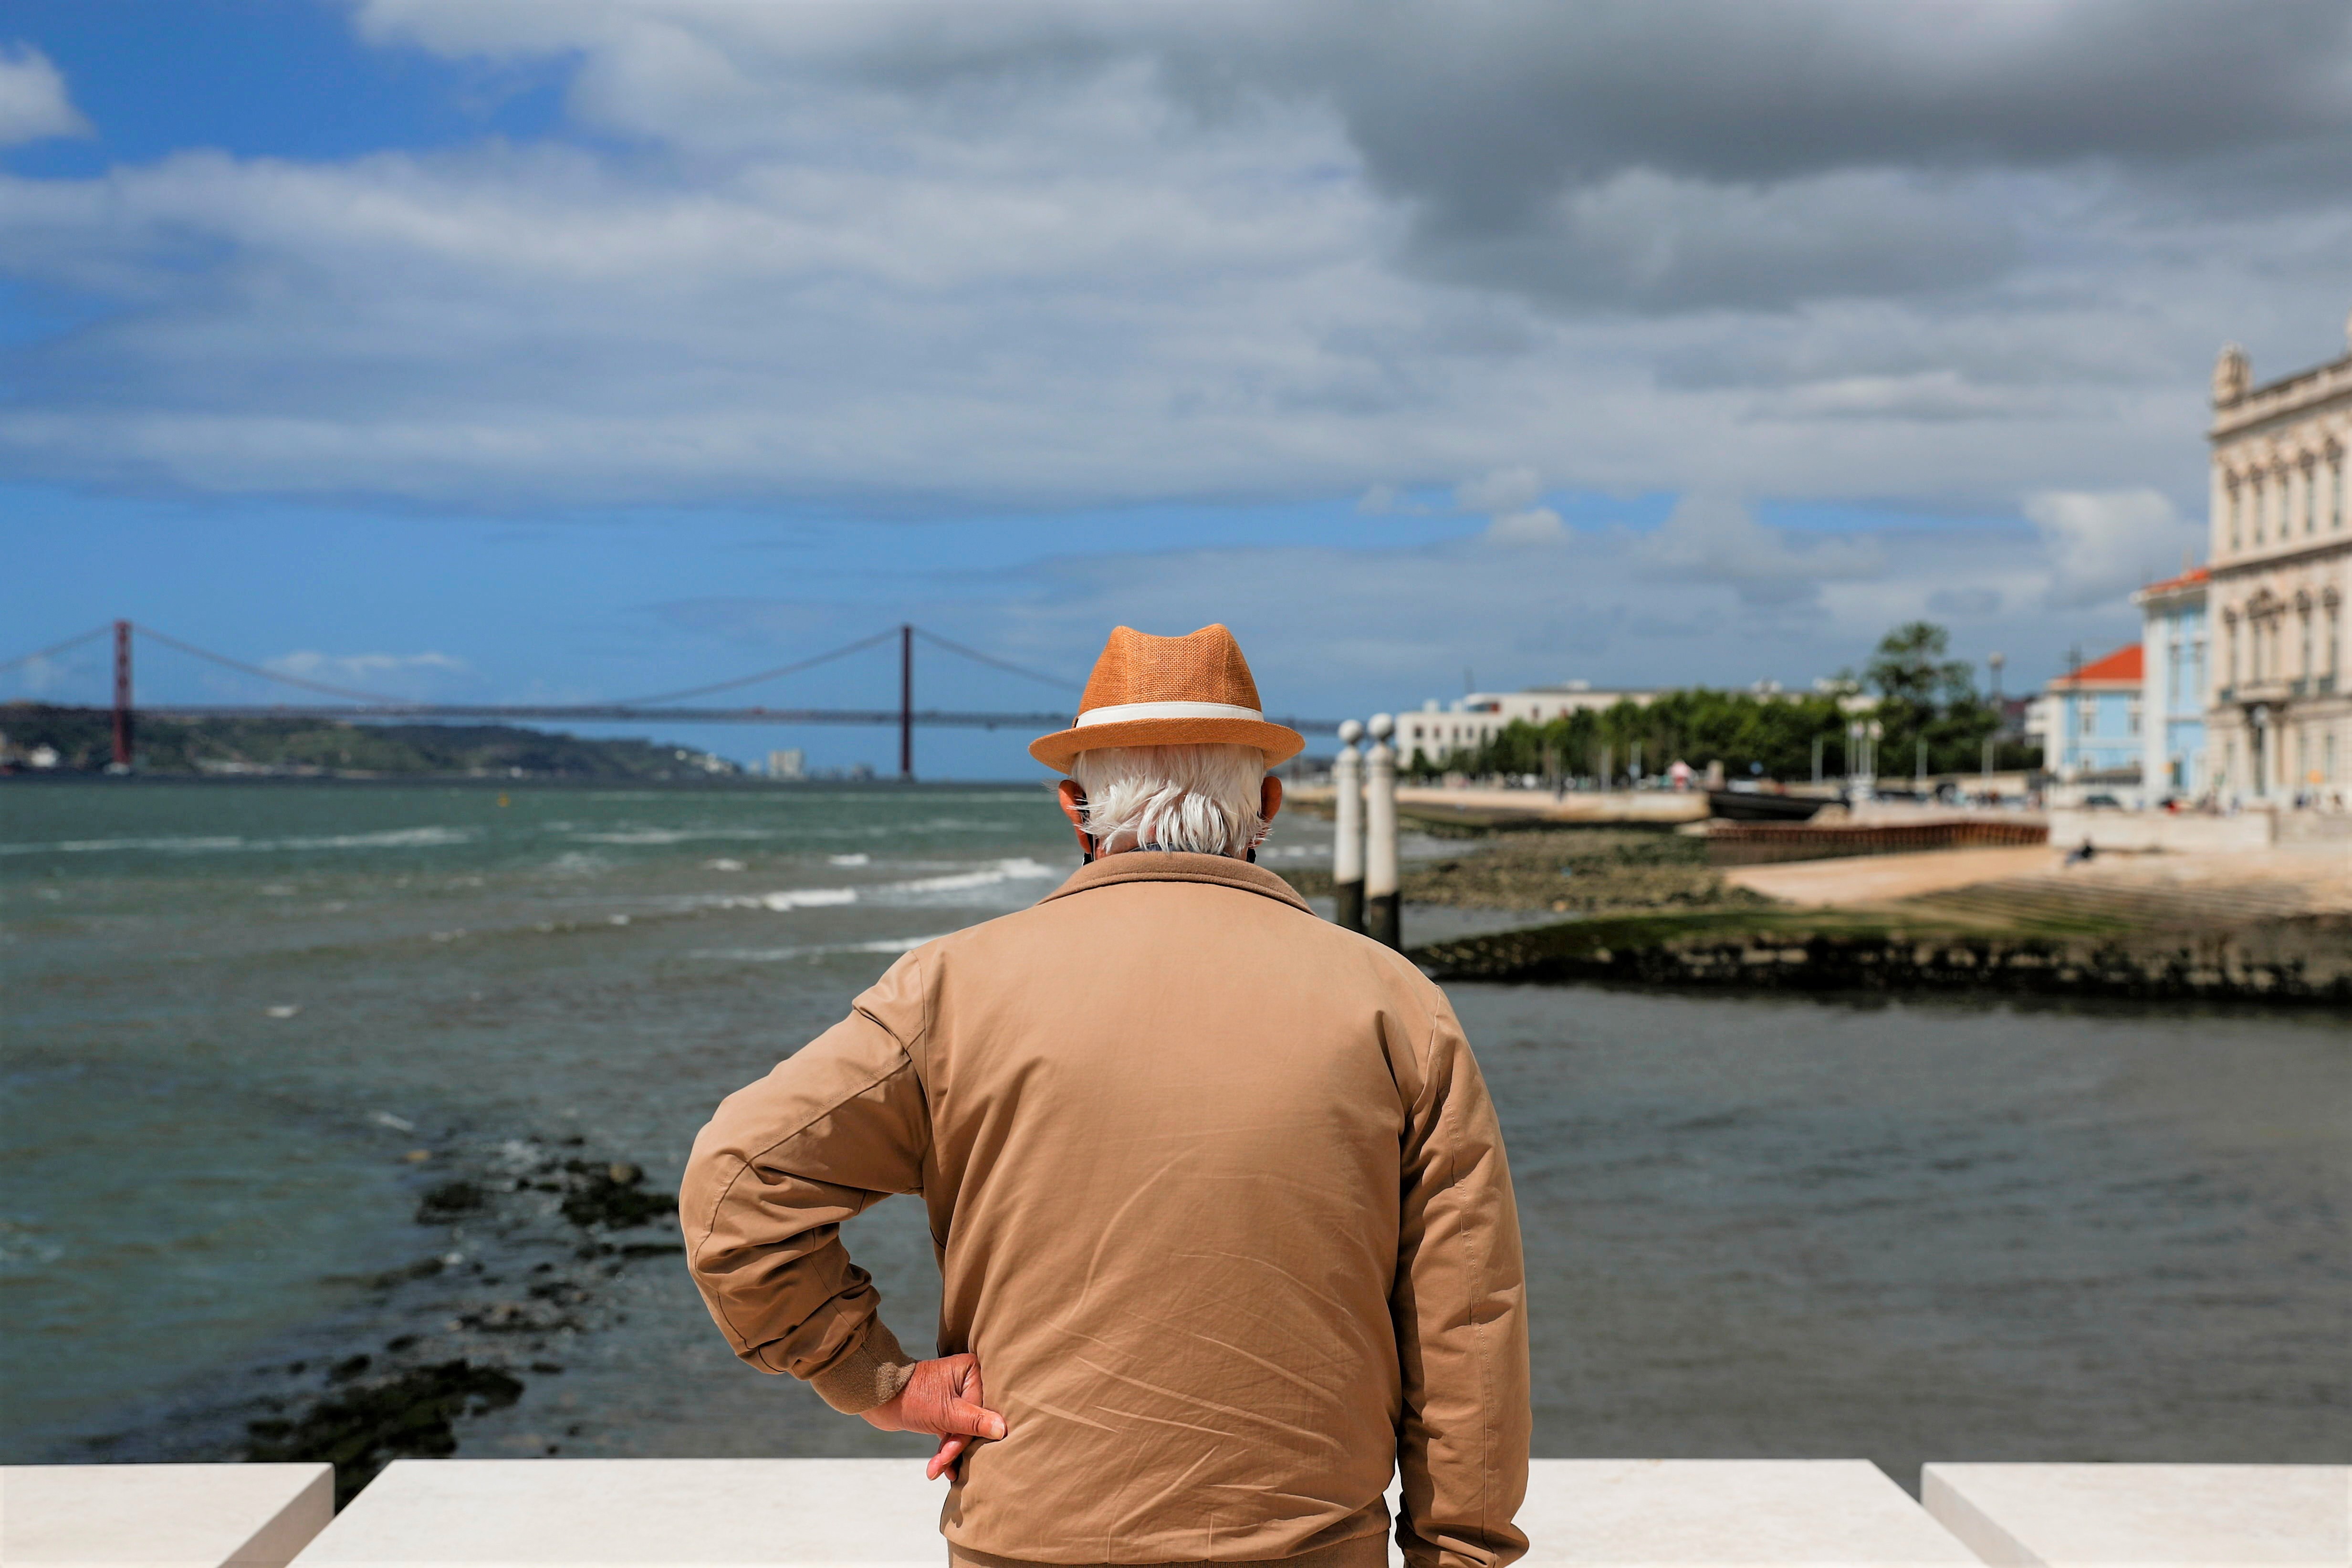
2151	1516
733	1513
162	1516
682	1513
880	1513
1718	1513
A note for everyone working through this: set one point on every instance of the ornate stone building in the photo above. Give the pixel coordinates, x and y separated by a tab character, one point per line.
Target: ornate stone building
2279	723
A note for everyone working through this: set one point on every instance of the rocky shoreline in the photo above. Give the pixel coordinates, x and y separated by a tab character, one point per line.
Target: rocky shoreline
1647	908
528	1234
2306	960
1571	870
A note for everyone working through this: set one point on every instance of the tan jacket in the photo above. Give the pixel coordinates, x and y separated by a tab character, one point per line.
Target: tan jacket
1220	1204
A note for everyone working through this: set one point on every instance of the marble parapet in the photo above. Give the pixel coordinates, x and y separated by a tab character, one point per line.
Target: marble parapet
879	1513
2158	1516
162	1516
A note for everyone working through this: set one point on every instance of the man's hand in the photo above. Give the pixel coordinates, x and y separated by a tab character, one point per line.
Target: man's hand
942	1398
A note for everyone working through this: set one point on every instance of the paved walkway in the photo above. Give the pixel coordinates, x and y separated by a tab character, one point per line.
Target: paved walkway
2283	879
1875	878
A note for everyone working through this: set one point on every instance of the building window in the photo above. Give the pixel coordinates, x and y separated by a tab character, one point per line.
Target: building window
2335	507
2086	715
2131	716
2230	646
2230	511
2255	502
2335	639
2306	669
2310	495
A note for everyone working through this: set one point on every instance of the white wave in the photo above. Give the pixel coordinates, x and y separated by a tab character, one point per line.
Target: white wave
849	860
390	839
780	955
671	834
805	899
103	845
1018	870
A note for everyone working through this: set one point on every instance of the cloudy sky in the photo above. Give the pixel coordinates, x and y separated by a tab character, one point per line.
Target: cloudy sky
499	351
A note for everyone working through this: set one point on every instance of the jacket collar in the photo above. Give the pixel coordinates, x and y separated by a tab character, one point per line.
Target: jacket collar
1174	866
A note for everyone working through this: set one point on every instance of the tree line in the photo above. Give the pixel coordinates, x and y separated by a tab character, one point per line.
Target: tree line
1912	691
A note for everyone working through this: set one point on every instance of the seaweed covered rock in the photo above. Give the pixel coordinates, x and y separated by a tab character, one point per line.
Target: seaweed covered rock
362	1429
612	1195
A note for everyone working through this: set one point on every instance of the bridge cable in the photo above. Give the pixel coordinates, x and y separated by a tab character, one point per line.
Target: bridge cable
753	679
54	648
277	675
1064	684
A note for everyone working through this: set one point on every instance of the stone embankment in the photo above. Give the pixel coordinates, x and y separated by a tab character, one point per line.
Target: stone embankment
2307	960
2275	925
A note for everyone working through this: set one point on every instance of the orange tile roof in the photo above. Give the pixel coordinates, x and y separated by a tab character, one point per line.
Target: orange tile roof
2187	579
2122	668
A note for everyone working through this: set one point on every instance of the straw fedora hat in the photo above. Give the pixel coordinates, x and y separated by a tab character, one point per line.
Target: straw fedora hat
1169	691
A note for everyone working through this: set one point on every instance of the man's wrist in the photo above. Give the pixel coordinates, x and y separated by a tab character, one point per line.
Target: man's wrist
872	1373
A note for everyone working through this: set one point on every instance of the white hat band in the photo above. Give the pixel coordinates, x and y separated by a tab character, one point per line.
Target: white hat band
1126	710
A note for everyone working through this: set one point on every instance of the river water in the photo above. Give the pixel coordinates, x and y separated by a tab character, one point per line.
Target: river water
247	1027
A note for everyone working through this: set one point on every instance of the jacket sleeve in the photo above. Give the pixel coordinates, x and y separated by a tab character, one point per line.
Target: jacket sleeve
1460	1306
829	1134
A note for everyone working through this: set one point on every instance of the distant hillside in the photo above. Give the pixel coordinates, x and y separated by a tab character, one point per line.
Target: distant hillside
83	739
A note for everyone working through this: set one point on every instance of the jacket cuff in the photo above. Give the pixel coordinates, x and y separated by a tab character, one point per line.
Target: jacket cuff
872	1373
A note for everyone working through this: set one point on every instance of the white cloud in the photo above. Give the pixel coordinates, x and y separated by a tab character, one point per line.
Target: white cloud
1715	539
953	259
1529	525
2102	544
1501	489
33	104
1716	599
1388	501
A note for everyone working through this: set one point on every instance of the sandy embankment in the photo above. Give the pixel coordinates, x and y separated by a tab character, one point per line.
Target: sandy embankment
2280	879
1875	878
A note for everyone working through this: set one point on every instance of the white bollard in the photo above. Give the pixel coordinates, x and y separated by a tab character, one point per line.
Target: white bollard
1348	820
1380	836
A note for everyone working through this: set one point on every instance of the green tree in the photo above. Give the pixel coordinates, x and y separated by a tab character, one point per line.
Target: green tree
1921	693
1924	695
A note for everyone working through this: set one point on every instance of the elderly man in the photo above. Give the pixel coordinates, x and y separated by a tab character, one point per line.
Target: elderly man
1218	1194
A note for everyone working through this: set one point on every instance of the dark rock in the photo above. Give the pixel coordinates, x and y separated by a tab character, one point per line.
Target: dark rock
450	1201
596	1198
362	1429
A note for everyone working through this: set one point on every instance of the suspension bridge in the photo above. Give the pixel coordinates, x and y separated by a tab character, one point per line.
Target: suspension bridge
661	708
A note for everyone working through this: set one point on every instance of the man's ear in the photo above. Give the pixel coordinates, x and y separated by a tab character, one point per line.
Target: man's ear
1269	798
1074	806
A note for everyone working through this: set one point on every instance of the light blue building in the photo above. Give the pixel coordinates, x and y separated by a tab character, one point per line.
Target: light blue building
2176	686
2091	734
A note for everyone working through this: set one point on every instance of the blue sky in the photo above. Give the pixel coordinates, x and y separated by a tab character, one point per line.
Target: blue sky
503	352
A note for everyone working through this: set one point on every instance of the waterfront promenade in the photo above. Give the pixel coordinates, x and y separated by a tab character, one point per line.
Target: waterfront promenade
879	1513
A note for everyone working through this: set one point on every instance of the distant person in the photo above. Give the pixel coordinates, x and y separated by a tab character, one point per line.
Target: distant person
2089	851
1219	1198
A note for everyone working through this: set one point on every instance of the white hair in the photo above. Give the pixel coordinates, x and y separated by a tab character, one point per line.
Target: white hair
1201	798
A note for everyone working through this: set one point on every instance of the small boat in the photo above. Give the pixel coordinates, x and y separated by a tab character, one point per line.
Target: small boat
1747	805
